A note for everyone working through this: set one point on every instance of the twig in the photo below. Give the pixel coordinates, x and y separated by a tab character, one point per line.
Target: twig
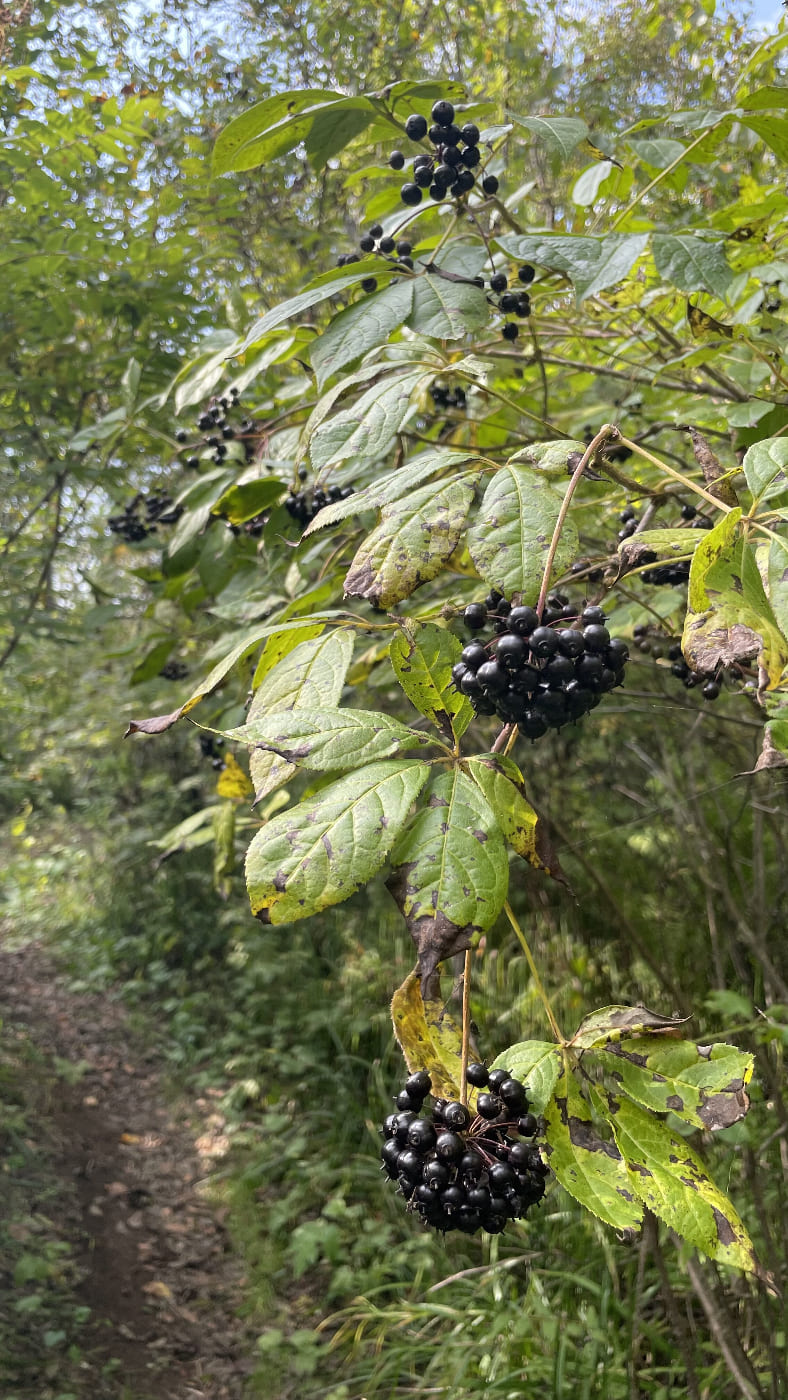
466	1026
545	1000
606	431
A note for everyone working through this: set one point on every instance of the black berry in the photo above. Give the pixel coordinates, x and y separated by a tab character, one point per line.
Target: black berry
442	113
416	126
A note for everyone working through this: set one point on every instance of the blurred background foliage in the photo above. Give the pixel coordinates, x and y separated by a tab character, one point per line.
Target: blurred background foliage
118	257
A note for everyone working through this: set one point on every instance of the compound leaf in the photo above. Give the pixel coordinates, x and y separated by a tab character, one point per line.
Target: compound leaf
324	739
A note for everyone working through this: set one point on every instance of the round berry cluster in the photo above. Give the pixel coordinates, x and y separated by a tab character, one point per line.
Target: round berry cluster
512	301
142	516
536	673
449	170
216	425
462	1170
396	251
304	505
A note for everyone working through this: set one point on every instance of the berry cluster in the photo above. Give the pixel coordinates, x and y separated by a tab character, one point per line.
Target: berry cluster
396	251
649	641
174	671
142	516
667	572
444	397
449	170
513	301
304	505
538	673
217	427
461	1170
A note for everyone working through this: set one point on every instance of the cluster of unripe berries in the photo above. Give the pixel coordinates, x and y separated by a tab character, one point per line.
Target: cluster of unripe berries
217	429
449	170
464	1169
395	250
666	572
538	673
142	516
304	505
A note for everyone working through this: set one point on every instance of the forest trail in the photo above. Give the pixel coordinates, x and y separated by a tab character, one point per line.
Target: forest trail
103	1182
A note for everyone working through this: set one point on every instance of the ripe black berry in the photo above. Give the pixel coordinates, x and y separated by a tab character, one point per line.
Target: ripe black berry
421	1135
688	512
375	230
527	1126
710	690
404	248
367	243
526	273
544	642
596	637
471	157
452	156
490	184
369	284
396	160
416	126
410	194
514	1096
477	1074
499	282
422	177
511	330
456	1116
386	245
442	113
192	463
418	1085
489	1106
450	1147
592	614
508	303
181	435
466	181
470	134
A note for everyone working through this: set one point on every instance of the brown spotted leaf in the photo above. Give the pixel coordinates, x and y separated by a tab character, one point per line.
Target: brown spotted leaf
320	852
450	872
589	1167
428	1037
325	739
613	1023
712	469
502	784
673	1182
422	656
412	543
703	1084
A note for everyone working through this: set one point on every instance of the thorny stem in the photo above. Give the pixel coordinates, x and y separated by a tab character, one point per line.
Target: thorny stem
606	431
466	1025
545	1000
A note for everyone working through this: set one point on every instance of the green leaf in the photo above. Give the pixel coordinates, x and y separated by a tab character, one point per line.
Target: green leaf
321	290
592	264
728	617
152	662
422	655
692	263
514	815
324	739
447	310
777	575
310	675
587	186
320	852
392	486
772	130
613	1023
412	543
560	134
703	1084
763	97
368	428
672	1181
659	152
553	458
450	873
275	126
200	376
665	544
590	1168
510	537
537	1065
359	328
100	431
244	502
764	466
130	384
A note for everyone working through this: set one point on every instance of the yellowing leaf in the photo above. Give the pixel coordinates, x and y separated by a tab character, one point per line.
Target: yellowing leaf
232	781
428	1037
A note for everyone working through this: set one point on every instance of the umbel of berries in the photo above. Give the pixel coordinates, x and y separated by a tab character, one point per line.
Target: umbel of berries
461	1169
448	172
538	673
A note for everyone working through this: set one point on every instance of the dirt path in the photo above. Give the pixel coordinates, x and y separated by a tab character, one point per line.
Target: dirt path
106	1210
